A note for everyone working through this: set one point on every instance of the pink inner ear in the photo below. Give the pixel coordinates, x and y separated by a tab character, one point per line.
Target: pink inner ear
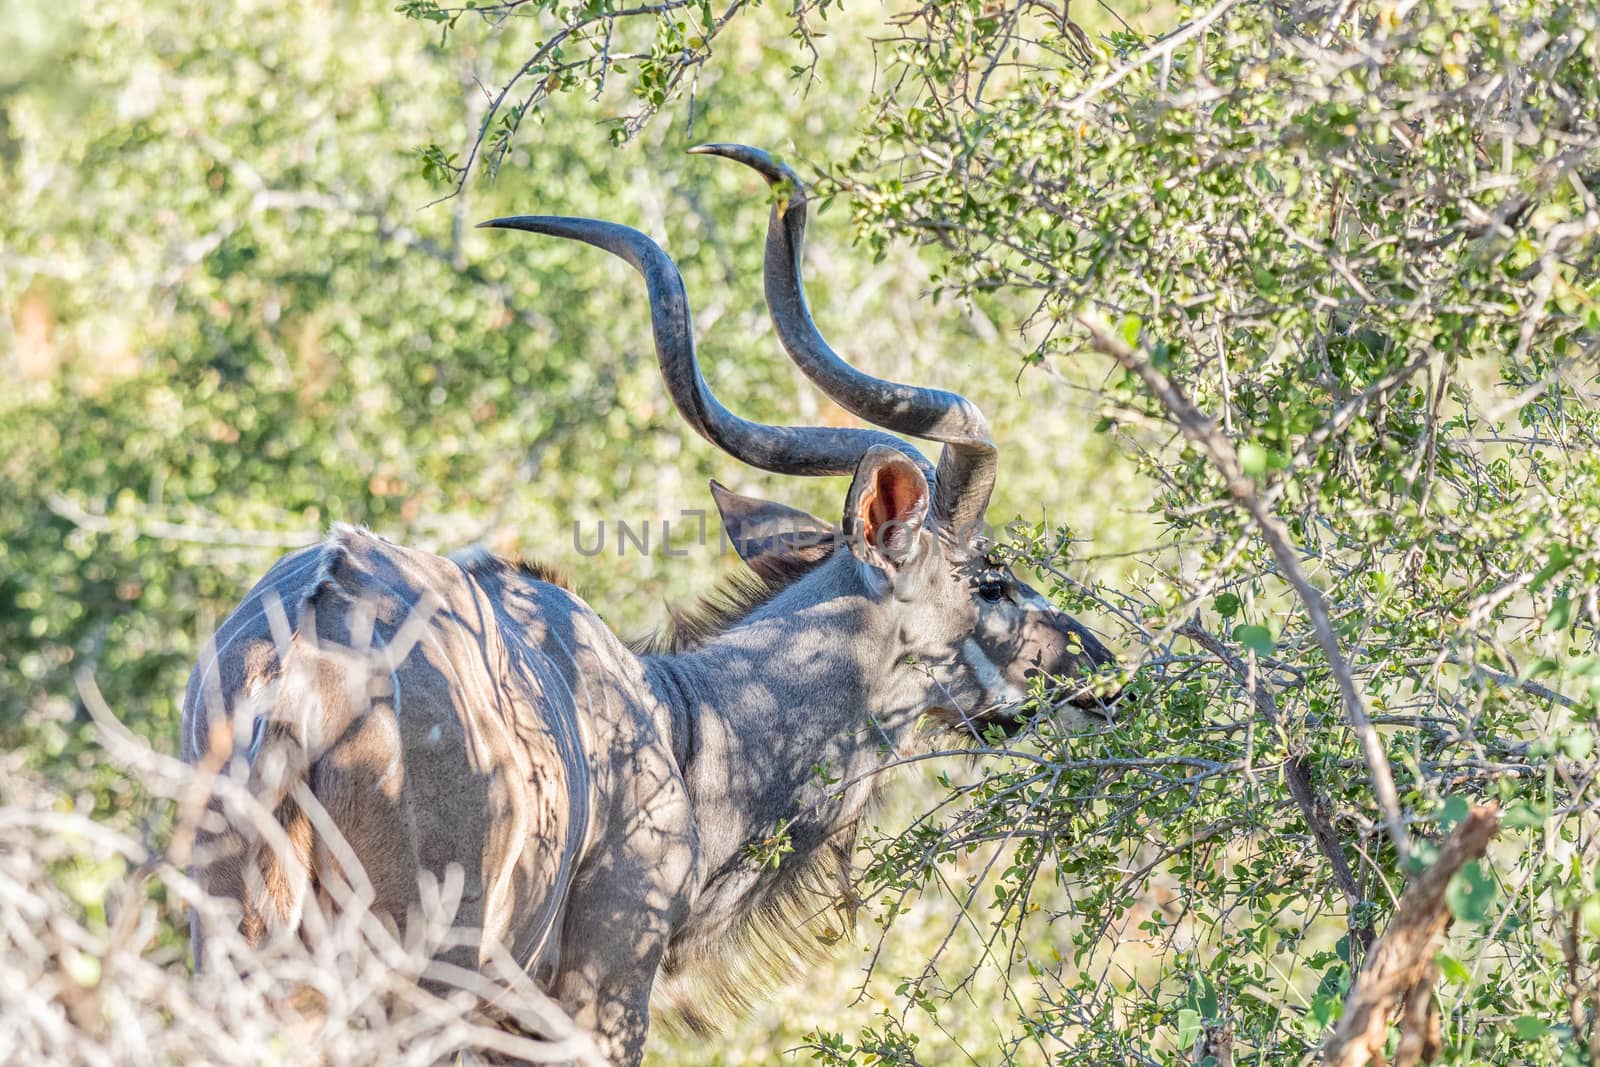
898	498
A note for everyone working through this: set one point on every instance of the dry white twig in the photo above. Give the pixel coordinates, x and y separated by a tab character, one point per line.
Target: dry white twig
86	978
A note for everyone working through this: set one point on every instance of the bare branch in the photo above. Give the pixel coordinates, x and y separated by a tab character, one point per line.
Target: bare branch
1402	967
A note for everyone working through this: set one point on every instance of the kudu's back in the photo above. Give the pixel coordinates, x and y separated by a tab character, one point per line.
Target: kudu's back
436	712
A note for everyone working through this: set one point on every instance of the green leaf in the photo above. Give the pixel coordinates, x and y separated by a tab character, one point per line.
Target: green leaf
1325	1010
1589	914
1202	996
1560	556
1335	982
1257	639
1128	329
1453	971
1188	1027
1524	815
1578	743
1471	893
1529	1027
1253	459
1227	605
1560	616
1454	810
1540	667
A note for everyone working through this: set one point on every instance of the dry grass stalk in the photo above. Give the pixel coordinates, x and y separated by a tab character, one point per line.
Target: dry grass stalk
88	977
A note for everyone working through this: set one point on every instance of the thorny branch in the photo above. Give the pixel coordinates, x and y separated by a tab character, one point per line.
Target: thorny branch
78	990
1200	430
595	30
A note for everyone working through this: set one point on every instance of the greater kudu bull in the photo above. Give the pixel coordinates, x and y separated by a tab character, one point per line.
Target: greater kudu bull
604	803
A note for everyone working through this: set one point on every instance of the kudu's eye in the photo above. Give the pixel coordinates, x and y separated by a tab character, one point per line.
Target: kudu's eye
991	587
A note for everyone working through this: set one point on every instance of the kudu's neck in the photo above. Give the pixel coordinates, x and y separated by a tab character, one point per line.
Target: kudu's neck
779	723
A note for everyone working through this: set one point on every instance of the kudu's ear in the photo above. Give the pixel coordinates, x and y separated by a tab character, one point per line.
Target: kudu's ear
773	539
887	505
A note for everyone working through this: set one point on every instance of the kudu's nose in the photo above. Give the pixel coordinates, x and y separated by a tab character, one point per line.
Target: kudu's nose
1084	697
1096	705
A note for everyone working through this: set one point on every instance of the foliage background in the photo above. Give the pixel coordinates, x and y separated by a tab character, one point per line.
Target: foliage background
1360	237
230	319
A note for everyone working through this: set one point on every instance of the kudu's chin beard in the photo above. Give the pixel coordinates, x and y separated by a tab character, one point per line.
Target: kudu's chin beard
975	727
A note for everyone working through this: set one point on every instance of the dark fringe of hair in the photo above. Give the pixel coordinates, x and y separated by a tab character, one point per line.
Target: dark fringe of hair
730	603
790	921
541	572
475	559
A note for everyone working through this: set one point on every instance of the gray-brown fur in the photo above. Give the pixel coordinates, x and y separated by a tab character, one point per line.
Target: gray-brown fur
607	806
